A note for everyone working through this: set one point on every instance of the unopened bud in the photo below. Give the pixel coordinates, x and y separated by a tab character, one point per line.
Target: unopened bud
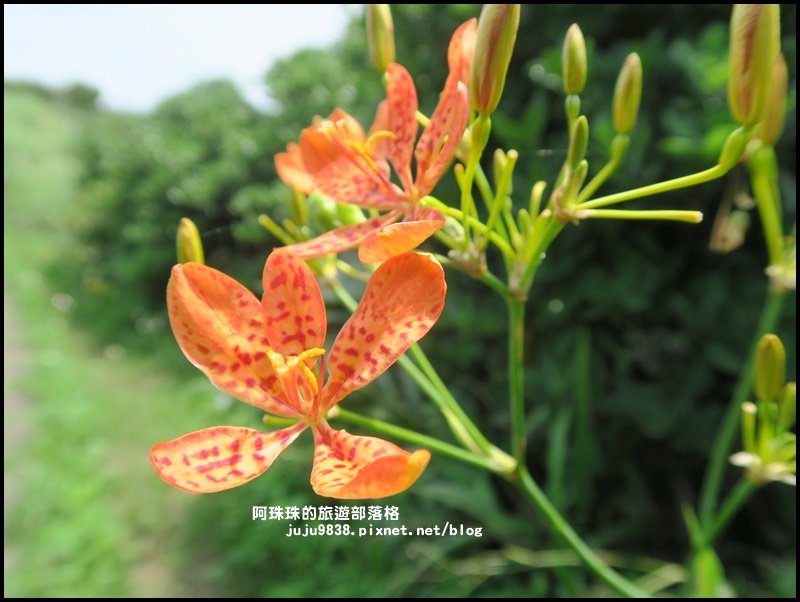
770	368
628	94
771	126
573	60
380	36
578	141
189	246
754	47
788	407
497	32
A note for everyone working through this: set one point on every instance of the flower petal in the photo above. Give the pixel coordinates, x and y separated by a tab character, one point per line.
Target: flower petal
220	328
219	458
344	174
461	50
342	239
439	141
291	170
400	113
350	467
401	237
294	311
402	301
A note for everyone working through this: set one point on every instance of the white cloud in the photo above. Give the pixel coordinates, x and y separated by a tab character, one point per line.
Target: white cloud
137	54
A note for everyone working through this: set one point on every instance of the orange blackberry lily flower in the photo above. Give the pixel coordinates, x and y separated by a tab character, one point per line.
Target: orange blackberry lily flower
336	158
267	354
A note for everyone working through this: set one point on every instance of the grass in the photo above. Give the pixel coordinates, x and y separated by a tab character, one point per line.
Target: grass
88	515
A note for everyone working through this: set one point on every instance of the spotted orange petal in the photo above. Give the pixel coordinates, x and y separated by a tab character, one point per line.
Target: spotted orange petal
291	170
400	110
342	239
294	312
344	174
461	50
439	141
220	328
219	458
403	299
347	125
350	467
401	237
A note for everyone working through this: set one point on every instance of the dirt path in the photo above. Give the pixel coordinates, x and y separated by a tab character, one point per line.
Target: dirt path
16	425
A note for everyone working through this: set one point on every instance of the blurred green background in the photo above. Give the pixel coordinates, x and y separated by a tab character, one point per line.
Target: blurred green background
636	336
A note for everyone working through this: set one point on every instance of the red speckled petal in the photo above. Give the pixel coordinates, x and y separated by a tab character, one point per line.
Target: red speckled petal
402	301
400	115
439	141
342	173
349	467
342	239
219	458
462	49
291	170
294	311
401	237
220	328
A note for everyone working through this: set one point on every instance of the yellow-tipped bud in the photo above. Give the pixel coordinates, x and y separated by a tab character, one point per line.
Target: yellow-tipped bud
770	368
497	32
578	141
769	130
628	94
189	246
499	162
380	36
754	47
573	60
788	407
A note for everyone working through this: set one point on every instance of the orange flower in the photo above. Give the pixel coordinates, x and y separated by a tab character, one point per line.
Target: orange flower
265	354
336	158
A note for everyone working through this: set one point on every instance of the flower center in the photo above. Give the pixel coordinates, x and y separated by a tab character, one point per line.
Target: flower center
298	381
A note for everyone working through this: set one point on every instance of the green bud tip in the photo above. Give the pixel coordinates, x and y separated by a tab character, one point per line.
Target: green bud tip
771	127
497	32
189	246
770	368
754	48
573	61
380	36
628	94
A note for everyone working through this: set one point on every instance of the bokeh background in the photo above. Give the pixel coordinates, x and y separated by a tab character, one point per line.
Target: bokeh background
636	337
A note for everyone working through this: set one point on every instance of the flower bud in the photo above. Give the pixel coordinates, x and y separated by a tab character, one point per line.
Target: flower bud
754	47
578	141
189	247
497	32
380	36
771	127
628	94
573	60
770	368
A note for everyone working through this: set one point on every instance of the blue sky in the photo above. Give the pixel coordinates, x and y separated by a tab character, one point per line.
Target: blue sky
139	54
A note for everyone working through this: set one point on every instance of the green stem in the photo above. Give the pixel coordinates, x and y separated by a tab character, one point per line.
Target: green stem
597	181
516	376
721	448
683	182
764	177
476	224
484	187
397	432
676	215
449	406
735	500
562	528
